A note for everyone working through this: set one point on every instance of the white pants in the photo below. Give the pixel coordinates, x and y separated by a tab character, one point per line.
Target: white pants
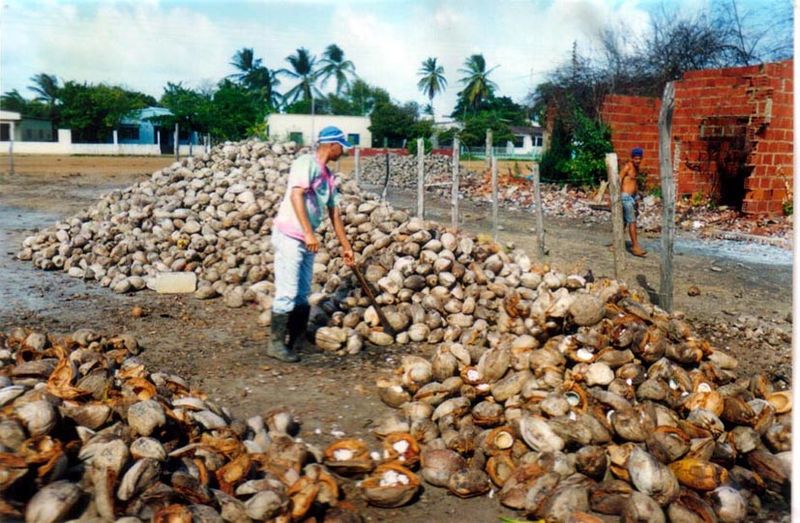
294	269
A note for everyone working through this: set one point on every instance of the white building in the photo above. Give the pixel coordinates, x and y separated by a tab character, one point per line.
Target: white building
8	121
304	128
527	140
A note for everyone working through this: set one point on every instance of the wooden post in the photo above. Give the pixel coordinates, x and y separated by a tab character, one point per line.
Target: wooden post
617	225
421	178
177	147
386	179
358	166
454	201
489	154
11	150
191	142
495	203
667	195
537	200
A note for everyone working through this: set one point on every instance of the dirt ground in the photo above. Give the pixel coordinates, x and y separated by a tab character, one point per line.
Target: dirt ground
221	350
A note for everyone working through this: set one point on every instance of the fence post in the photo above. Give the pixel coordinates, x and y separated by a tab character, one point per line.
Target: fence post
177	147
358	166
191	142
489	154
11	151
421	178
454	202
537	199
495	202
386	179
617	225
667	196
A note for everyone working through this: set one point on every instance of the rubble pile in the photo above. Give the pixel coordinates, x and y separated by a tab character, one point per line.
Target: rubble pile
86	432
581	403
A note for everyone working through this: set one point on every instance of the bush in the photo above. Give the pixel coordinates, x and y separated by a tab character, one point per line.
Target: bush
412	146
591	142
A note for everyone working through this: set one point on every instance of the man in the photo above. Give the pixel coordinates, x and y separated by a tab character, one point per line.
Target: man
310	192
629	206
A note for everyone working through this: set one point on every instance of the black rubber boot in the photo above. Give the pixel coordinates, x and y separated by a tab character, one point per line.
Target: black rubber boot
277	346
298	326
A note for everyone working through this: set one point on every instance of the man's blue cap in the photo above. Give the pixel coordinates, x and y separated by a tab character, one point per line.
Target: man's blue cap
333	134
637	151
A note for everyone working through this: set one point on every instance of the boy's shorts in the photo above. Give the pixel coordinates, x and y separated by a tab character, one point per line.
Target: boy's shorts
628	208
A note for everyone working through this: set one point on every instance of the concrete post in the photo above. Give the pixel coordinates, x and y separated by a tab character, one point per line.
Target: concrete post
115	133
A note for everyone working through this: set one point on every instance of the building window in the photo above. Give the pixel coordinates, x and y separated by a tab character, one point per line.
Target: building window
41	134
296	137
537	140
5	132
519	140
129	132
354	138
28	134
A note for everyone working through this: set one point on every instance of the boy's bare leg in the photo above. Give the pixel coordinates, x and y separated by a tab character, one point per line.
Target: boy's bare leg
636	249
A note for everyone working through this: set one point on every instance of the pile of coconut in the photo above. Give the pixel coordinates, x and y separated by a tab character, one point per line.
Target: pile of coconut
602	407
403	169
86	432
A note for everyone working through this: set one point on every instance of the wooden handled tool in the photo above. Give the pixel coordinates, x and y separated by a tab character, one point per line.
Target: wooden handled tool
387	327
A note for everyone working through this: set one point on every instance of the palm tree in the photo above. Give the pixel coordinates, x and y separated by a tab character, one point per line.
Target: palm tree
335	66
477	86
255	77
13	101
46	86
245	61
303	70
432	81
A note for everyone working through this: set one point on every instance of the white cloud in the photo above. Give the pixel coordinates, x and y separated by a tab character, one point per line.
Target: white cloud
142	45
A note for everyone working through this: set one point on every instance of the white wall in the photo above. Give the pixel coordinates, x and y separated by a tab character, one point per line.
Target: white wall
282	125
65	146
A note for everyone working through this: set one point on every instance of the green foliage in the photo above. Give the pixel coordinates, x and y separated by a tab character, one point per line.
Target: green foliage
234	111
788	207
655	191
394	122
94	111
13	101
259	130
190	109
475	126
591	142
426	145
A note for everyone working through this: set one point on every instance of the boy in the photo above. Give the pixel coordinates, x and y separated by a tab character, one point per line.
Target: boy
311	191
629	206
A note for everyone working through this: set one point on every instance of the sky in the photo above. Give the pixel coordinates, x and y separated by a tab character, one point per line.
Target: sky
144	44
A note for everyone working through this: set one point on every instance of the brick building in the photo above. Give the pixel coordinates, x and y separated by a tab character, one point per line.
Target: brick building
734	126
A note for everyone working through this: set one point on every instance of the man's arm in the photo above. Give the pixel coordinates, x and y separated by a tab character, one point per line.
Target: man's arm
338	228
299	206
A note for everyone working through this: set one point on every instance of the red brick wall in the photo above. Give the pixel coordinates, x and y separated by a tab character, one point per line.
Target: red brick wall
733	120
634	123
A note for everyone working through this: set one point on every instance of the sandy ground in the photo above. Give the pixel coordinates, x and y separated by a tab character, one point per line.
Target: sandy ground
221	350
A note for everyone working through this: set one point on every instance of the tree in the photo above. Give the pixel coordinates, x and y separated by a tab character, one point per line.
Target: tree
335	66
94	111
257	78
432	81
397	123
48	91
190	109
234	111
13	101
477	86
303	64
364	97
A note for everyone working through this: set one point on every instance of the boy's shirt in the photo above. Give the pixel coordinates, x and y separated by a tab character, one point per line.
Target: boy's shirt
319	193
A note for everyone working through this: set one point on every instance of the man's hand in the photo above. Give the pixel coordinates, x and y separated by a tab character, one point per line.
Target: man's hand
349	257
312	243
